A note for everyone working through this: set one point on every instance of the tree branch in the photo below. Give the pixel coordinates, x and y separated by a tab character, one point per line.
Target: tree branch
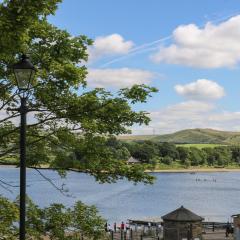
8	184
29	144
9	117
5	185
6	188
60	189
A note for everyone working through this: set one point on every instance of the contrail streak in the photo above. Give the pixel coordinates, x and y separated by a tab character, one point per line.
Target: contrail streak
141	49
147	47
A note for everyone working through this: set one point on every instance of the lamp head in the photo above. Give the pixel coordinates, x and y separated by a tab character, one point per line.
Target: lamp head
24	72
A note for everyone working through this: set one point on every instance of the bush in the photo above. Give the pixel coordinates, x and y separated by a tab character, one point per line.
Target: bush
167	160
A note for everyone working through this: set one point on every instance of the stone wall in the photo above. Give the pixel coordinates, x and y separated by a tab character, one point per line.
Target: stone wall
181	230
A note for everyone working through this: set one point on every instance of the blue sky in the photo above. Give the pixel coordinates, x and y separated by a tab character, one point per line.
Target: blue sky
189	50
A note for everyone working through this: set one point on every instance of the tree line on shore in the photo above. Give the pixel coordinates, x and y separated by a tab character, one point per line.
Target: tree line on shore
74	155
169	153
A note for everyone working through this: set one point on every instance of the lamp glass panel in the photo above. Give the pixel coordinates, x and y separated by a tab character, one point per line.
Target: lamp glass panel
23	77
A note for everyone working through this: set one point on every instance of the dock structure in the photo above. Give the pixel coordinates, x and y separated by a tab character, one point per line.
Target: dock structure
148	228
217	235
151	229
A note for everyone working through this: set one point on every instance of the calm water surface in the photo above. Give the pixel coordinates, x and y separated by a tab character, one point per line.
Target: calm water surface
215	196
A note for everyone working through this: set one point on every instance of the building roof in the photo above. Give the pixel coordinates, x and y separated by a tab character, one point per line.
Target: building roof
182	215
145	221
133	160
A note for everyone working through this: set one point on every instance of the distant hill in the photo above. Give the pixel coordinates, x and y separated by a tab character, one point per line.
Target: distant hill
136	137
192	136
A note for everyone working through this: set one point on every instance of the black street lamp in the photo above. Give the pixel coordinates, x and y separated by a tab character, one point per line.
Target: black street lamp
24	72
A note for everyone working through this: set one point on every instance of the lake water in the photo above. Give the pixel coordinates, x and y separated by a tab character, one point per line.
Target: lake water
215	196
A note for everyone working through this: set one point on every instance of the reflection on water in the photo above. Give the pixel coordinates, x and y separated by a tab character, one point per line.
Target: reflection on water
214	196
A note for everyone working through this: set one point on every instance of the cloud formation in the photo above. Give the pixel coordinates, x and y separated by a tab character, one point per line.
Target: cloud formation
213	46
111	45
190	114
202	89
118	78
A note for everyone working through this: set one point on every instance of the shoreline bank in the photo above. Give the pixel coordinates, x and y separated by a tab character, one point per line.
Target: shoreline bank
8	166
194	170
180	170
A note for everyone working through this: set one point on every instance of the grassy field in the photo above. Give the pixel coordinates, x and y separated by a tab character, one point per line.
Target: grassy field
178	166
201	145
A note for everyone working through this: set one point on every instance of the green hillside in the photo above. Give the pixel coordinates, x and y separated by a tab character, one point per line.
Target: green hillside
192	136
135	137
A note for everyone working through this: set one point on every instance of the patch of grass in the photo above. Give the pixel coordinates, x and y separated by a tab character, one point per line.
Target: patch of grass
178	166
173	166
233	166
200	146
12	160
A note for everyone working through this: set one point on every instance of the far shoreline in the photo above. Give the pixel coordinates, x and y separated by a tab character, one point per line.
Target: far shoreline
180	170
8	166
194	170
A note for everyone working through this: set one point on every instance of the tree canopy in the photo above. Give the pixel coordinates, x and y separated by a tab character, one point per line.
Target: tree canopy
158	153
70	123
56	221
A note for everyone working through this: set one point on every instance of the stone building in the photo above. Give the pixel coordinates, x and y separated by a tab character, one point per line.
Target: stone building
182	224
236	223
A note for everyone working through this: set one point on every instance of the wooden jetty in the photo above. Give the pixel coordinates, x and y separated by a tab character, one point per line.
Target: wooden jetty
216	235
211	231
208	235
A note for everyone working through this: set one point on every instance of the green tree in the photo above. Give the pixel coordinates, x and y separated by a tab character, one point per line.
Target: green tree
222	155
35	226
168	149
87	221
195	156
8	216
210	156
167	160
235	154
183	153
68	118
145	152
55	221
121	151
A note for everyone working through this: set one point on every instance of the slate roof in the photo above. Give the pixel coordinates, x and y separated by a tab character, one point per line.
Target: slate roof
182	215
133	160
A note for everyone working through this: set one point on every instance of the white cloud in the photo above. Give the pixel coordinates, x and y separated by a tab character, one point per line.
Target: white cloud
118	78
110	45
213	46
190	114
202	89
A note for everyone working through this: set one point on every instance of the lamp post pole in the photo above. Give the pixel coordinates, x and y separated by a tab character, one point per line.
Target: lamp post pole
23	112
24	72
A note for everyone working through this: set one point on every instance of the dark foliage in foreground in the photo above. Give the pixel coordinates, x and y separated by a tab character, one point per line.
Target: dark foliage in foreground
55	221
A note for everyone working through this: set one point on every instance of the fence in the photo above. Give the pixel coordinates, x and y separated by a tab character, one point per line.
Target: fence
132	234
